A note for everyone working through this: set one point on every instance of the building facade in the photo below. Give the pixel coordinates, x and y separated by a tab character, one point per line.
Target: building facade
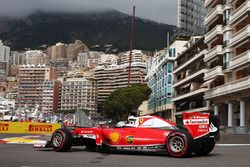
228	61
112	77
136	56
50	96
189	72
36	57
79	94
160	79
4	61
191	14
31	82
58	51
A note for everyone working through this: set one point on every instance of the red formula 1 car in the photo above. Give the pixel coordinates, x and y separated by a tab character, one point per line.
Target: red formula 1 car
143	134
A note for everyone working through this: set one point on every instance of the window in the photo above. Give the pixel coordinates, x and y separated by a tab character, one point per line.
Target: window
170	67
226	59
226	16
226	37
169	91
169	79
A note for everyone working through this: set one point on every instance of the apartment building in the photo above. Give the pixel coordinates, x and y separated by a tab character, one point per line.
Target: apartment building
136	56
112	77
4	61
79	94
58	51
191	14
228	59
50	96
160	79
92	59
189	72
36	57
31	82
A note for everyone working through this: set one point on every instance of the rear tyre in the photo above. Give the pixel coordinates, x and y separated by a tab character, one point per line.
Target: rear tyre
178	144
61	140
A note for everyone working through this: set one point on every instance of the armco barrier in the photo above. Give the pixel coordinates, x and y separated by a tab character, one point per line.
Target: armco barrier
28	127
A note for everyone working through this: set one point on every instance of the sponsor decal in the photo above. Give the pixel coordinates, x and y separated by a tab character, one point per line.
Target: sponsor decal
4	127
114	137
196	121
143	148
143	120
130	139
40	128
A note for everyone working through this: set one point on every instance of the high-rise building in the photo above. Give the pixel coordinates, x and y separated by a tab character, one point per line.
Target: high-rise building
191	15
228	62
17	58
4	61
160	79
31	85
36	57
74	48
136	56
58	51
112	77
50	96
79	94
189	71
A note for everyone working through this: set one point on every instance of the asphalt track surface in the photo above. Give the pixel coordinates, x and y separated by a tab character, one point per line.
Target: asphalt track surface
225	154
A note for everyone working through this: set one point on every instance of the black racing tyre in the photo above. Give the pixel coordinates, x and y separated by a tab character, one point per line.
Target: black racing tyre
61	140
179	144
206	149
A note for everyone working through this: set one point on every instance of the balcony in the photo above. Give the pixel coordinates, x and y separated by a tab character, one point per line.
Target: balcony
188	78
229	88
213	15
239	12
213	73
213	53
240	60
239	36
190	61
213	33
190	94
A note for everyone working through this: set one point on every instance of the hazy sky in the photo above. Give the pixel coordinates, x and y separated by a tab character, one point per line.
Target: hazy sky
164	11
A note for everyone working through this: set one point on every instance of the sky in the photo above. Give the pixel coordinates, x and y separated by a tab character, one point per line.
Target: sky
163	11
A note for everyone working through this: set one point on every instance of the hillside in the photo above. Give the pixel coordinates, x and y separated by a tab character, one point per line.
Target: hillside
100	28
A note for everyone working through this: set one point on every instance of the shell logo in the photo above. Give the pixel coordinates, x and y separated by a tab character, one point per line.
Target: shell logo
114	137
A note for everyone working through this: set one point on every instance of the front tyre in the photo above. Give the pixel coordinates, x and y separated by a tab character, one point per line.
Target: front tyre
178	144
61	140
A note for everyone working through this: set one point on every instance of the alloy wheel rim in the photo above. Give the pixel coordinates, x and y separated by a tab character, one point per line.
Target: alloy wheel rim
57	140
177	144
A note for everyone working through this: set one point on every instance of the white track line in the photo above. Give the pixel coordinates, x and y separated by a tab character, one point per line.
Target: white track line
231	145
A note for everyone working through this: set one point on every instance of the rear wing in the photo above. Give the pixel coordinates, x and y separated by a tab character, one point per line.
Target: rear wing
201	124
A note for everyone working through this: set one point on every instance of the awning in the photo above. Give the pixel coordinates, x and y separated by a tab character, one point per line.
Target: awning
207	83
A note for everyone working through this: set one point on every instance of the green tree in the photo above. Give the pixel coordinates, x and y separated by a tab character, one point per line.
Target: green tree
124	101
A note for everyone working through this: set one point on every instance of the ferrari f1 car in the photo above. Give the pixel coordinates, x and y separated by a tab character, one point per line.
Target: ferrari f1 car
143	134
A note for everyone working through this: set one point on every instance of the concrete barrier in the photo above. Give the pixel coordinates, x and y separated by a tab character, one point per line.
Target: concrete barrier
28	127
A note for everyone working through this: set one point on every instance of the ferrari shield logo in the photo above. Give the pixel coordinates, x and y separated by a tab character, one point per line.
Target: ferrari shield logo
141	120
130	139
